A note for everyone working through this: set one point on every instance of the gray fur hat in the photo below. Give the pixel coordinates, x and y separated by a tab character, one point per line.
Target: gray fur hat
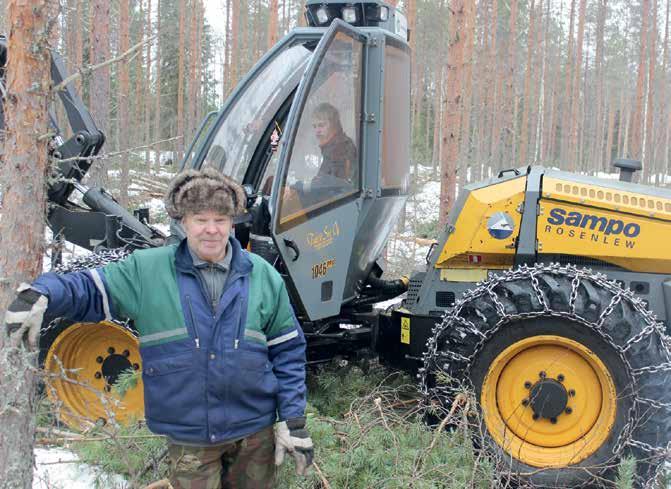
195	191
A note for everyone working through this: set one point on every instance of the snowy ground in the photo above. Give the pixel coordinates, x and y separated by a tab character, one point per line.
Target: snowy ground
57	468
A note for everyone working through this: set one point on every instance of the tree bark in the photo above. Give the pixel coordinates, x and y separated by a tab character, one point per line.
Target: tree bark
157	101
649	160
568	87
524	135
180	80
453	108
234	59
193	74
636	131
573	155
99	86
147	91
122	100
273	33
22	223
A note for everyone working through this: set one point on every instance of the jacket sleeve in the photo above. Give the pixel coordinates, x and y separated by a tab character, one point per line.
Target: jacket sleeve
92	295
286	350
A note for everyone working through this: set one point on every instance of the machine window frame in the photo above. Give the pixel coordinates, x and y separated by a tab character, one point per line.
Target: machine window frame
281	225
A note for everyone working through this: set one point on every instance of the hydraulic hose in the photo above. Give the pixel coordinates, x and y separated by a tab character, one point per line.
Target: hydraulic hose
389	287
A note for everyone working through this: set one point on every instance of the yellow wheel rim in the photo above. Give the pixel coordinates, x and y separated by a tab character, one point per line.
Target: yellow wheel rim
582	389
81	365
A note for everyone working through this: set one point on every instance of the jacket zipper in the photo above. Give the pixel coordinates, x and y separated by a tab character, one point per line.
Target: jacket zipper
243	306
193	322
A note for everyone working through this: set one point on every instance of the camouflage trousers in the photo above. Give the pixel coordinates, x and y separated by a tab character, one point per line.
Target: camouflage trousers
244	464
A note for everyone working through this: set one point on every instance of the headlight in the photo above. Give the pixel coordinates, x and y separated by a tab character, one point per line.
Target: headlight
322	15
349	14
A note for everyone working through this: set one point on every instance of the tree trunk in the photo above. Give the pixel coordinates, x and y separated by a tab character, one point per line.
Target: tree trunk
180	79
635	133
273	33
573	155
469	45
138	102
157	101
147	92
509	122
453	108
524	135
235	34
597	153
122	100
566	102
649	161
99	86
22	223
192	83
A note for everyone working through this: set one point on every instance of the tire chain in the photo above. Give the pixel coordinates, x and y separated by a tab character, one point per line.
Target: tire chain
96	259
465	328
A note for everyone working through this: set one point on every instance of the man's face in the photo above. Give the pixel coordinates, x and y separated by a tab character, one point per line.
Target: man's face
324	130
207	234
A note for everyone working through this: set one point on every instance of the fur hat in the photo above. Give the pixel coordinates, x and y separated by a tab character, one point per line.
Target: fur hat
195	191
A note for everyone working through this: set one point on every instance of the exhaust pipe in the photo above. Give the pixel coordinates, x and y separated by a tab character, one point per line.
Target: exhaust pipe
627	168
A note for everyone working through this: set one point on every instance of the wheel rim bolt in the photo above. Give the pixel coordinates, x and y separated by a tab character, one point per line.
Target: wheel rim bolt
553	420
98	375
571	392
527	385
136	366
126	353
525	402
542	374
99	359
535	417
560	377
568	410
111	350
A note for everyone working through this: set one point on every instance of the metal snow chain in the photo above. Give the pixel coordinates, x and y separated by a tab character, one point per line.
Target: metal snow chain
525	272
94	260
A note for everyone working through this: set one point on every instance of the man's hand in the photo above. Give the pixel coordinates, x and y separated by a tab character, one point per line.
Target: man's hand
291	436
24	316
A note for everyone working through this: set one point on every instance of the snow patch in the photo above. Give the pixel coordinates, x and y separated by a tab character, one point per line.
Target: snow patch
57	468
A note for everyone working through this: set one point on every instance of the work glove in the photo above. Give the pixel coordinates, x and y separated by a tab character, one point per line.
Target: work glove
24	316
291	436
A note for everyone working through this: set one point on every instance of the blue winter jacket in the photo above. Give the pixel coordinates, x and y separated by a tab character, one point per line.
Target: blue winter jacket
209	375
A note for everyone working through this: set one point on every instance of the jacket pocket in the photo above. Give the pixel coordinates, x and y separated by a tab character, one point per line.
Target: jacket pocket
173	390
253	386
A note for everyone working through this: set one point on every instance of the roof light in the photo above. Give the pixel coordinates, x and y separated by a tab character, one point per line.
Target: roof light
322	15
349	14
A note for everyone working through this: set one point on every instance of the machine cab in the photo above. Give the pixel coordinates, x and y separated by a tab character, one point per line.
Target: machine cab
318	131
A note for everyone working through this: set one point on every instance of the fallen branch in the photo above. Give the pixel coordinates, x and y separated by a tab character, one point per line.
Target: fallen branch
325	482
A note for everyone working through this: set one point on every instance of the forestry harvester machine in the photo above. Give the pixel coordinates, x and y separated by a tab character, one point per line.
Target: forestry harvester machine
547	296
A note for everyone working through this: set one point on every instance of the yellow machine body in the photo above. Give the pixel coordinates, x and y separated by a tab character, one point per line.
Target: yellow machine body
471	245
621	224
629	229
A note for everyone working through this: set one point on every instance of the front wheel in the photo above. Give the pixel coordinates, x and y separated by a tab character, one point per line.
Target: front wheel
570	371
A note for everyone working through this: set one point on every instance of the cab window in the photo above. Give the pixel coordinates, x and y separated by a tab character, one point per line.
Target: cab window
324	164
239	134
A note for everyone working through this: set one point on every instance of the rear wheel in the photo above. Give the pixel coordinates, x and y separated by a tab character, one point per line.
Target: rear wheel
83	361
571	373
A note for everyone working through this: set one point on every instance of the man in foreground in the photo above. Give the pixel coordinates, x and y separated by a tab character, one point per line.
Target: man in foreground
223	355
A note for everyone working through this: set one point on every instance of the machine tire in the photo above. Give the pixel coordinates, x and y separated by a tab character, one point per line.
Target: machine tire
504	328
91	355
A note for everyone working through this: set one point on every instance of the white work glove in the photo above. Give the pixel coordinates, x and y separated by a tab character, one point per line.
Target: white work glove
291	436
24	316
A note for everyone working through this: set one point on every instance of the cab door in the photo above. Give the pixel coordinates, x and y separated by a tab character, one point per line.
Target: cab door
316	197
